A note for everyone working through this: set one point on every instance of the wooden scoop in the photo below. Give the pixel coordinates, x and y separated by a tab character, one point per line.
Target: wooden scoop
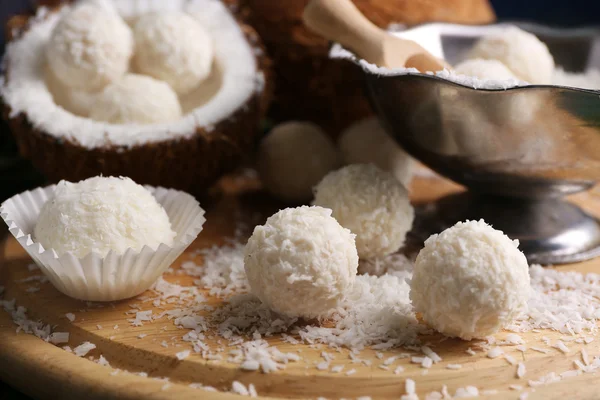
340	21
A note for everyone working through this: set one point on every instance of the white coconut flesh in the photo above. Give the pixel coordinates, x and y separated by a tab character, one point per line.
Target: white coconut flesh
234	79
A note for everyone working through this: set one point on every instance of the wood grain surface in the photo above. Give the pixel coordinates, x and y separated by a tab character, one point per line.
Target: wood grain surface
45	371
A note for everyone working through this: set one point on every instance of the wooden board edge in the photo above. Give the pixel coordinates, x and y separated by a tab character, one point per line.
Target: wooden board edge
44	371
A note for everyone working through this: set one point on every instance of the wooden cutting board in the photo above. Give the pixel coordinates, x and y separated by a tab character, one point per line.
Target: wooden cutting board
45	371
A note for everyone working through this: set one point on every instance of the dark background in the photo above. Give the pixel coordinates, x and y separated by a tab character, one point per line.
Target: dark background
17	175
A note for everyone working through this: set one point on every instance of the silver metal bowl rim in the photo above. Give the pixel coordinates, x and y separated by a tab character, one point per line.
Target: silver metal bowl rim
589	31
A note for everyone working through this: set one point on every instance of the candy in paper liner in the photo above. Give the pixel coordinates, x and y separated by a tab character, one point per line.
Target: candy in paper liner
113	277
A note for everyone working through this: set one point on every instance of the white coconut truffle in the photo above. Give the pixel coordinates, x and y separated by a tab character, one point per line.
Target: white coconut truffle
366	142
101	214
484	69
522	52
301	262
470	281
90	47
137	99
78	102
173	47
371	203
293	158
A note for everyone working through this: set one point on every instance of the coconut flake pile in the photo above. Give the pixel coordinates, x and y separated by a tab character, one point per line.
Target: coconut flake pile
376	314
26	91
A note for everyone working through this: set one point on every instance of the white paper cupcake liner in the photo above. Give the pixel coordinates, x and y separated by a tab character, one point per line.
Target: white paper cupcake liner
113	277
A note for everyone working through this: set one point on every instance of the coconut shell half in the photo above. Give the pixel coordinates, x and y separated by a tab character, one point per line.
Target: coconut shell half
191	163
310	86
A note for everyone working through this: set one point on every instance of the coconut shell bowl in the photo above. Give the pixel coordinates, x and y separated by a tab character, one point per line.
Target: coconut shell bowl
519	149
219	121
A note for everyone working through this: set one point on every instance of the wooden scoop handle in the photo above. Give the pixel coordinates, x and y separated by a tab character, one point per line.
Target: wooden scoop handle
340	21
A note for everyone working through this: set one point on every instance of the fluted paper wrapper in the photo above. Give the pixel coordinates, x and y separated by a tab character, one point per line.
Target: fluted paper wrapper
113	277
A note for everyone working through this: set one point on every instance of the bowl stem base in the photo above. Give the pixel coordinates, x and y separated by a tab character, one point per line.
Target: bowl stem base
550	231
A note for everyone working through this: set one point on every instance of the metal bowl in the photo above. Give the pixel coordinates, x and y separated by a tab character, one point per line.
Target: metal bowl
517	150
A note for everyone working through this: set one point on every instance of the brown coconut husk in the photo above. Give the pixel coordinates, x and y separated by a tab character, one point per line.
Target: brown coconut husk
190	164
311	87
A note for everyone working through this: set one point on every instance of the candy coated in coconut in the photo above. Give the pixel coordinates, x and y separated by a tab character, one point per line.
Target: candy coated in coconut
90	47
301	262
522	52
136	99
470	281
173	47
293	158
101	214
367	142
371	203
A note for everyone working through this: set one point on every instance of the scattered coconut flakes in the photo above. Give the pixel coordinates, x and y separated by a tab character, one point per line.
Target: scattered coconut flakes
510	359
468	391
410	389
513	338
524	396
521	348
515	387
165	387
239	388
141	335
570	374
399	369
337	369
83	349
489	392
102	361
70	316
585	357
470	352
544	380
588	340
579	365
364	398
540	350
561	346
202	387
390	360
99	327
323	366
252	390
182	355
350	372
521	370
431	354
454	366
427	362
222	271
58	337
495	352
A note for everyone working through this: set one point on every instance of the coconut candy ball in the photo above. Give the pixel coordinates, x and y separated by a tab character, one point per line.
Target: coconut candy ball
293	158
90	47
101	214
366	142
371	203
484	69
522	52
470	281
301	262
173	47
137	99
